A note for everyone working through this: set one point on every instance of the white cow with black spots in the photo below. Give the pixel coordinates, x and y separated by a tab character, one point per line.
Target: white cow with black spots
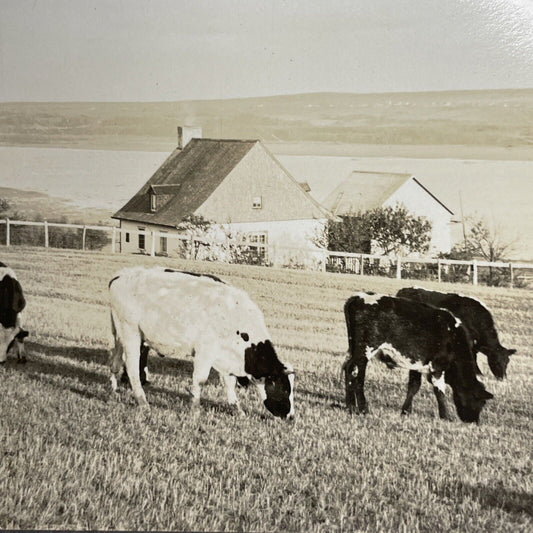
169	310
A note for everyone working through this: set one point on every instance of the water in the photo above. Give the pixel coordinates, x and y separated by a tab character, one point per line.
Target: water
499	190
103	179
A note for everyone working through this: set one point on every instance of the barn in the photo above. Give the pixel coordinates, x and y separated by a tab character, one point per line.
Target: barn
237	184
363	191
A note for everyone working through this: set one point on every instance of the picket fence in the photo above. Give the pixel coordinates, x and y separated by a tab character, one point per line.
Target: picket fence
348	262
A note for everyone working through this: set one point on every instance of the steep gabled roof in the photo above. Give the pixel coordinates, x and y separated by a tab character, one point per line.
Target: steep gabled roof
191	175
363	191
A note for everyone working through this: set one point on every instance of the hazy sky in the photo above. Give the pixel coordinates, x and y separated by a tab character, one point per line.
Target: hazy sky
59	50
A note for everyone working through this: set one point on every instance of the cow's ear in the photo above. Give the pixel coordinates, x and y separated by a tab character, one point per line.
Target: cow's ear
511	351
483	394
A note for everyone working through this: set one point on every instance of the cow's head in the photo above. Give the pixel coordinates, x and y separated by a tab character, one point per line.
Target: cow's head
498	361
261	361
470	402
469	394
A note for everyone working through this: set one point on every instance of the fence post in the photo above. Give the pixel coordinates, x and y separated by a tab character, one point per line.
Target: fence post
113	239
45	234
512	274
362	269
439	270
8	238
474	272
83	237
398	268
152	248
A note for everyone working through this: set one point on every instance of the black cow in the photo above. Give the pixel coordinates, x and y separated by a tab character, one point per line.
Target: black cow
415	336
476	318
12	302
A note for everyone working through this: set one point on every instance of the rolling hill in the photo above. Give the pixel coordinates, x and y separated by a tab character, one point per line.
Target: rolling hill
498	118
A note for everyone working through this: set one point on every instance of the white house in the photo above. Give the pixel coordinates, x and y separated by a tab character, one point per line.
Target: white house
237	184
363	191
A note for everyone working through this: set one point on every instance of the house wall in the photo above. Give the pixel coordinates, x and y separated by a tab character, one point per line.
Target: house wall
420	203
132	247
259	175
287	241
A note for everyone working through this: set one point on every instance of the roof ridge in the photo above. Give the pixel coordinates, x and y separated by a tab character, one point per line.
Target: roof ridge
225	140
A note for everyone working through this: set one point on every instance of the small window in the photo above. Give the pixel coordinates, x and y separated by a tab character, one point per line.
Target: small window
153	202
257	202
163	244
127	236
142	239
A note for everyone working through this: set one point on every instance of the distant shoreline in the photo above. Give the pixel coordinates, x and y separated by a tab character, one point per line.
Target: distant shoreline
327	149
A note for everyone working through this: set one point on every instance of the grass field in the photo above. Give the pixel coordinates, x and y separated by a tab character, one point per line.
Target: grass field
74	457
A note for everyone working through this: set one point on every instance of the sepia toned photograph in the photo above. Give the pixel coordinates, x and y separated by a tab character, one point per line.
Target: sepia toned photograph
266	265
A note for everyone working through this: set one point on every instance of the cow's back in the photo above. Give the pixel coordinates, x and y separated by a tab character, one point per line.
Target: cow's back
412	327
183	305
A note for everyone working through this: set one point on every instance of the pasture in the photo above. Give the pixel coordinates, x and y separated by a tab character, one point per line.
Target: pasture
74	457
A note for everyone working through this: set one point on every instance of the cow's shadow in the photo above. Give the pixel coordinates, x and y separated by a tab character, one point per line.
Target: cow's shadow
47	362
510	501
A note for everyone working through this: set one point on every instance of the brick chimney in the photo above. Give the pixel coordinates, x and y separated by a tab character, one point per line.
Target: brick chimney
186	133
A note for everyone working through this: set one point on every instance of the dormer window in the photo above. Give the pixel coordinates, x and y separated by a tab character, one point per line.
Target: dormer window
153	203
257	202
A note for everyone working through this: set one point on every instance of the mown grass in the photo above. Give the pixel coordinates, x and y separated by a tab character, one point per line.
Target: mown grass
73	456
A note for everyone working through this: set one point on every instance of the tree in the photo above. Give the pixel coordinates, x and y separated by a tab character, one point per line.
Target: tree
487	242
196	228
394	230
5	207
483	242
347	235
397	231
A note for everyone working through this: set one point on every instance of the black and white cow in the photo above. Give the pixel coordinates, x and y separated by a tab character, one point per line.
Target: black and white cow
168	311
477	319
12	303
418	337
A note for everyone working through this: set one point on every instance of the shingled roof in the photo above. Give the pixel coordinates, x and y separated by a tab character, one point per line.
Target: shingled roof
190	175
363	191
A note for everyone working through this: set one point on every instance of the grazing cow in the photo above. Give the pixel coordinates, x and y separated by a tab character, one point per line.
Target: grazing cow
477	320
169	310
12	303
418	337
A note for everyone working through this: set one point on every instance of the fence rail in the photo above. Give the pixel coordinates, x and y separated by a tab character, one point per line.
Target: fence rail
356	263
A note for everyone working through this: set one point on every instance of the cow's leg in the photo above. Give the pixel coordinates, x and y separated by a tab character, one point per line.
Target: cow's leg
349	385
360	385
439	387
230	382
143	364
355	384
21	351
131	359
116	364
413	386
200	373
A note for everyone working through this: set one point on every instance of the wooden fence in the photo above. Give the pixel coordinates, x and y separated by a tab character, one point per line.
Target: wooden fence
327	260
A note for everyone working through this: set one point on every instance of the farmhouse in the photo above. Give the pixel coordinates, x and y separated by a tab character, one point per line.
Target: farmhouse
237	184
363	191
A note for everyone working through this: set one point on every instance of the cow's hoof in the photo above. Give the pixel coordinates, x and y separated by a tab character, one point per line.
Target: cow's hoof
144	407
22	361
406	412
